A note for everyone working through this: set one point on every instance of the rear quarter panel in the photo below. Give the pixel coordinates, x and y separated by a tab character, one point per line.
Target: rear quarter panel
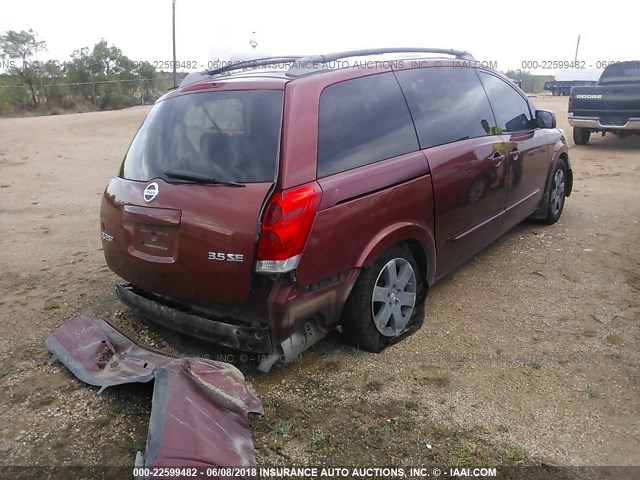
365	211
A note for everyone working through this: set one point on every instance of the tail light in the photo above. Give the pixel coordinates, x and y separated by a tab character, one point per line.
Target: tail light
571	96
285	228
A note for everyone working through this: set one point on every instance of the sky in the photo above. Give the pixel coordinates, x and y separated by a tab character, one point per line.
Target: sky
511	34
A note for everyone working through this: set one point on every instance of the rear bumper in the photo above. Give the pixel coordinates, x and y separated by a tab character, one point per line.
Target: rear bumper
246	338
594	123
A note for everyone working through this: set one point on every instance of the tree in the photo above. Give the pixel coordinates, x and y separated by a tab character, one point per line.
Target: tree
51	71
23	46
103	64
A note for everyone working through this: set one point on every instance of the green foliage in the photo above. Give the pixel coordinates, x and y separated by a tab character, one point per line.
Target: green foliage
23	46
102	77
20	45
115	77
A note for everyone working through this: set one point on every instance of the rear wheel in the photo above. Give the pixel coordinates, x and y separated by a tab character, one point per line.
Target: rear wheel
387	301
581	135
555	92
557	191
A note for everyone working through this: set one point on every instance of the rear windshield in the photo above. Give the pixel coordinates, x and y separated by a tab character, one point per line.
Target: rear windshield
231	136
623	72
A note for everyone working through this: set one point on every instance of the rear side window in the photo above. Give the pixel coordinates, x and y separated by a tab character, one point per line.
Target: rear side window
362	121
447	104
232	136
510	108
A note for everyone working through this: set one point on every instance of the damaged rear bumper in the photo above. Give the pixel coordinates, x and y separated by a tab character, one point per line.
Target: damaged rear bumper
241	337
199	414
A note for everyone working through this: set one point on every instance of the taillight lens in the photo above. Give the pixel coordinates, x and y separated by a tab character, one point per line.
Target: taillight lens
571	101
286	226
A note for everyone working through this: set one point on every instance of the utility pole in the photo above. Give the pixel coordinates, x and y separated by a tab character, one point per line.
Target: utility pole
575	60
175	79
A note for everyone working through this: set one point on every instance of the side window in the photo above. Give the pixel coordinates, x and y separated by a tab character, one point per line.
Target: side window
447	104
511	110
362	121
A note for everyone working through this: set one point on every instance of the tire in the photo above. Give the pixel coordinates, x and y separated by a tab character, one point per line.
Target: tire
557	191
581	136
555	92
364	319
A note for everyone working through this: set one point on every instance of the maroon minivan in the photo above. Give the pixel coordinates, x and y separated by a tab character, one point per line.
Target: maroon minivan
266	203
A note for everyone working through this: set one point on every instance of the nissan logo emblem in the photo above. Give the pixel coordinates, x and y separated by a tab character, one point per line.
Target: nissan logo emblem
151	192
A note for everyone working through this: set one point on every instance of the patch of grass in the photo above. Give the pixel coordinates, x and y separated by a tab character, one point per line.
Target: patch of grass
592	392
318	438
384	430
51	304
442	401
260	423
269	403
284	428
464	453
535	364
334	396
132	445
406	420
513	454
4	372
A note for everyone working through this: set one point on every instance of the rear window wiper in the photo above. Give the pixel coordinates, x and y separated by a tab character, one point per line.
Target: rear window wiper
200	178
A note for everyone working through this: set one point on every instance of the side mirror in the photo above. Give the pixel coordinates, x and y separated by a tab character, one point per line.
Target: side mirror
545	119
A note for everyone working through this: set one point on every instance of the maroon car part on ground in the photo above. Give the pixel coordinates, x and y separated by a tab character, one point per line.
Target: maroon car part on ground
199	415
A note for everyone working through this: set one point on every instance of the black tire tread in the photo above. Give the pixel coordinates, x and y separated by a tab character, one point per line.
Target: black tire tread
581	135
356	316
550	219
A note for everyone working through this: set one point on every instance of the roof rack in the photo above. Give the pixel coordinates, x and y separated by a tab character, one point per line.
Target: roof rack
307	64
195	77
258	62
315	61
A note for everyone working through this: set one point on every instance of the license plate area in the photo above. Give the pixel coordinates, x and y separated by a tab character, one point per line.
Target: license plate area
157	240
152	233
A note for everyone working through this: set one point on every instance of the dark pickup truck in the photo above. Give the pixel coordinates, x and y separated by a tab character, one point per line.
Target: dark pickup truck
613	105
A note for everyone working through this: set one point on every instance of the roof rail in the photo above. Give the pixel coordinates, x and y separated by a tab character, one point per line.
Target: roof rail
258	62
313	62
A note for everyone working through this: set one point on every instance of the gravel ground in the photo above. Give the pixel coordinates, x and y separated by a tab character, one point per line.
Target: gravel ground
529	353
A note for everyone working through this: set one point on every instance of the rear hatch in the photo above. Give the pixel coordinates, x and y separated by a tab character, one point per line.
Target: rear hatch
614	100
181	218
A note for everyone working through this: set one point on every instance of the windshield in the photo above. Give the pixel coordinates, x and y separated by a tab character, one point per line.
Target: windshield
229	136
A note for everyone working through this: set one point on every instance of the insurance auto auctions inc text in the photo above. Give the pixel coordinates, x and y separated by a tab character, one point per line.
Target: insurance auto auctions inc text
374	472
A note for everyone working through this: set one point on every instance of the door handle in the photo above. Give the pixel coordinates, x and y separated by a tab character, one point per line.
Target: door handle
514	154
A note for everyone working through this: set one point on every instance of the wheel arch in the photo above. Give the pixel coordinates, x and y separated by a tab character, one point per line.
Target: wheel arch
569	185
560	153
418	239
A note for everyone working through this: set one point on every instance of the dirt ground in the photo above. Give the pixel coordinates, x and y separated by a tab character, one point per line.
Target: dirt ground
529	353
